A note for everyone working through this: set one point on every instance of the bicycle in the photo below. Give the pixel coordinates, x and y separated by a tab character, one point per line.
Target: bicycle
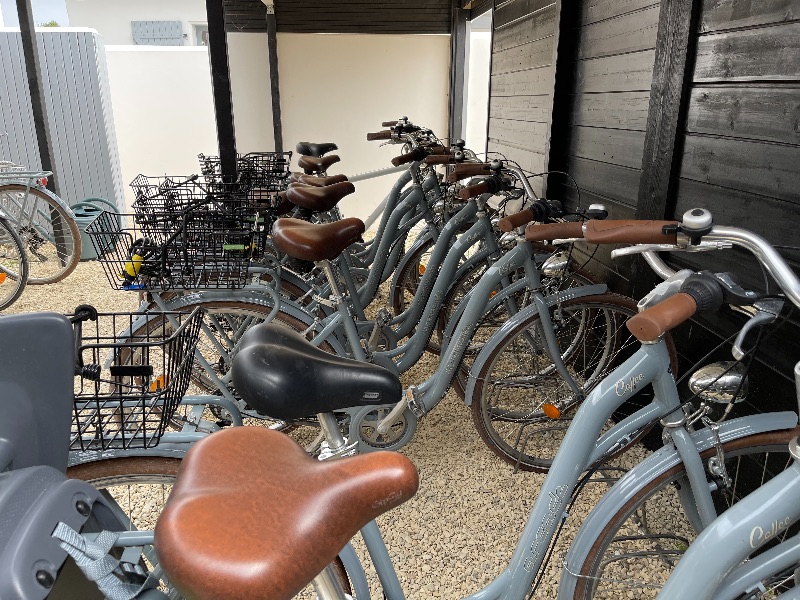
44	222
580	450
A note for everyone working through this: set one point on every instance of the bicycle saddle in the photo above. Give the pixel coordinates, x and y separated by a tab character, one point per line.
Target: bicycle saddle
315	241
313	164
293	513
319	199
279	373
321	181
312	149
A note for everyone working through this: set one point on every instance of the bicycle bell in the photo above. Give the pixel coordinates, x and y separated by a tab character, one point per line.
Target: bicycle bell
723	382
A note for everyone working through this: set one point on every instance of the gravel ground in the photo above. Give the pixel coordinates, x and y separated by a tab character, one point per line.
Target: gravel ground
460	530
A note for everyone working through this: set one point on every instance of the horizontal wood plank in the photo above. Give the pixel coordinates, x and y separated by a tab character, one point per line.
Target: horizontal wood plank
729	14
521	134
508	12
527	56
520	108
523	83
623	110
616	146
755	112
757	167
628	73
631	32
610	181
533	27
599	10
774	219
761	54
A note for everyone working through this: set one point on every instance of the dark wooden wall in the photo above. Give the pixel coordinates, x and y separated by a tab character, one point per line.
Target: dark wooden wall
741	149
736	152
605	72
523	43
338	16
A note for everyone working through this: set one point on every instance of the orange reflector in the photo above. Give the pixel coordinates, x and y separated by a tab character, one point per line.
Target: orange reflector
493	294
551	411
422	269
159	383
2	277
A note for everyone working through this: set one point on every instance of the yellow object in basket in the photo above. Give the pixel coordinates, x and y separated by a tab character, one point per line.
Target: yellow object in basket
132	267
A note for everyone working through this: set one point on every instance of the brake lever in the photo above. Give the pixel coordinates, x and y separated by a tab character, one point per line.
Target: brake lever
764	311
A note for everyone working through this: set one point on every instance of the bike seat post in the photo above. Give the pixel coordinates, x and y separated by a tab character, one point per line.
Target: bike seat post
338	301
327	586
331	431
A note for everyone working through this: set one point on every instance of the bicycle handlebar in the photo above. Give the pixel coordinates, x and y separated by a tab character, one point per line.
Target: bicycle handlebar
488	185
465	170
380	135
415	155
653	322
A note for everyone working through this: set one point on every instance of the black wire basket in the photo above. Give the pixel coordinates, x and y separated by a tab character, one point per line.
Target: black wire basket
132	371
199	249
166	194
260	174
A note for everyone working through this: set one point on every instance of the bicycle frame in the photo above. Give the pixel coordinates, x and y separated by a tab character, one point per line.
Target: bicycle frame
583	446
707	567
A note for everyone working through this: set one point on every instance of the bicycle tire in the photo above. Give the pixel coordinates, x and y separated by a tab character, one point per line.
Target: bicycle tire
597	575
492	321
532	380
47	263
13	265
138	471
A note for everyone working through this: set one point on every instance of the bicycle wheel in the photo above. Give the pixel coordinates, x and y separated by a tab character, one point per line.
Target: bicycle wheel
224	323
495	318
643	541
519	377
13	266
49	232
138	488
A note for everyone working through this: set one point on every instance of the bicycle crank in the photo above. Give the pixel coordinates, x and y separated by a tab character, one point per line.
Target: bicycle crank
364	428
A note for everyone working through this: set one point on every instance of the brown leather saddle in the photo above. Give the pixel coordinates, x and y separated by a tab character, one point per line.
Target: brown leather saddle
315	241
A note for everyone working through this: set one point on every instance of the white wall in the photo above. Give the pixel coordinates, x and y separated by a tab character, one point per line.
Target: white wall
477	92
163	109
112	18
361	80
248	60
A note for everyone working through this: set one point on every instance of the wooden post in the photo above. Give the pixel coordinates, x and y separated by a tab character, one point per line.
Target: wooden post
36	85
221	87
458	54
663	141
272	45
669	95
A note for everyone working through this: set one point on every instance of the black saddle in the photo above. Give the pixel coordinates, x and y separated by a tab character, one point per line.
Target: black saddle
312	149
280	374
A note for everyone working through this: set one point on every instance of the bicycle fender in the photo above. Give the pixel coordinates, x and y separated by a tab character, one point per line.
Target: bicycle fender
526	313
654	466
287	306
162	450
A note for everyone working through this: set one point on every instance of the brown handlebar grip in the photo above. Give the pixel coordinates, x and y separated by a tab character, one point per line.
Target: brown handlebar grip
652	323
403	159
438	159
439	150
389	123
511	222
474	190
379	135
629	232
465	170
554	231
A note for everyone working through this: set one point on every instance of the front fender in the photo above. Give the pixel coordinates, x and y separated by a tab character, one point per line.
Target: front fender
526	313
654	466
